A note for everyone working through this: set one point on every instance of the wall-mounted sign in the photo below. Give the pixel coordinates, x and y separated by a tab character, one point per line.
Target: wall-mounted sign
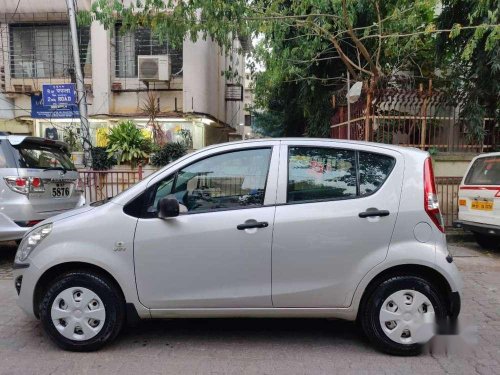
234	92
55	95
39	110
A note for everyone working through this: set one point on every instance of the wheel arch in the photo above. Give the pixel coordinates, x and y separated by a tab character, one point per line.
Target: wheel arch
418	270
57	270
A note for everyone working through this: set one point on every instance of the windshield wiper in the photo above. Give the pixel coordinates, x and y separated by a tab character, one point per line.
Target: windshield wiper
56	169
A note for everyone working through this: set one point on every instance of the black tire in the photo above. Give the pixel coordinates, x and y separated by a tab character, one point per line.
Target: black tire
486	241
370	310
110	296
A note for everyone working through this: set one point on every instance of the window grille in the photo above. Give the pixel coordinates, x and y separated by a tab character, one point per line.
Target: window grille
131	44
44	51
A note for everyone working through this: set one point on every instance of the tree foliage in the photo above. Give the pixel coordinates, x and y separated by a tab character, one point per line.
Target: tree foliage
308	45
471	58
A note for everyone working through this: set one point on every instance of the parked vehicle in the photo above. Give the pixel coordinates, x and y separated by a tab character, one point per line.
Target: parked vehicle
354	230
479	200
37	181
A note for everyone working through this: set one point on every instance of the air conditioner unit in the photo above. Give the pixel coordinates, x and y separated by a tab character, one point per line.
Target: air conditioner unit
154	68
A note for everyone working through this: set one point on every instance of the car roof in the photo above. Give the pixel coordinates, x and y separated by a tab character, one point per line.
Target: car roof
401	149
15	140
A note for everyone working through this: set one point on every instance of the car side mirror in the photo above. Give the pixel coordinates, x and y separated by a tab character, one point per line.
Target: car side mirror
168	207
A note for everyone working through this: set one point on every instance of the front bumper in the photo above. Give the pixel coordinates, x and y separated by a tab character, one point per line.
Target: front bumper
492	230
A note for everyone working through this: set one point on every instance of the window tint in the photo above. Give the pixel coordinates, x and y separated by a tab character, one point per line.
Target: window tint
230	180
320	173
484	171
373	171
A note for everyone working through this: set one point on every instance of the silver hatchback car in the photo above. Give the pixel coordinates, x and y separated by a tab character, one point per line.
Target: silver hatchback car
265	228
37	180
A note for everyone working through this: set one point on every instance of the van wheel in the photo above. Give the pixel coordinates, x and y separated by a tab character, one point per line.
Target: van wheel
82	311
486	241
400	316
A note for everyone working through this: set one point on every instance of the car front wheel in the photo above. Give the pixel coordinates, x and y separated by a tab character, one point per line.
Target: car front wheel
82	311
400	316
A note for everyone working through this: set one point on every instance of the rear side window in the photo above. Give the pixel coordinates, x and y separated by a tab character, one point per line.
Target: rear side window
318	173
35	156
321	173
484	171
6	159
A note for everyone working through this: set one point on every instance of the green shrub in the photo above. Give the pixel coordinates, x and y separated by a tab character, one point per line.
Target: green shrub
168	153
126	143
100	159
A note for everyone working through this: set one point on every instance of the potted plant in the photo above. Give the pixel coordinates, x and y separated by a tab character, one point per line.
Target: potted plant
127	143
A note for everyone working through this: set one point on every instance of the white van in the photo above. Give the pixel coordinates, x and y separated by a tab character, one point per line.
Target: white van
479	200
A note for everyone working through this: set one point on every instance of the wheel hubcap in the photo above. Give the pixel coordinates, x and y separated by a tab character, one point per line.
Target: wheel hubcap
407	317
78	313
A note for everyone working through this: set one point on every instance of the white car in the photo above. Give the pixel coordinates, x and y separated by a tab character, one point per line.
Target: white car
264	228
479	200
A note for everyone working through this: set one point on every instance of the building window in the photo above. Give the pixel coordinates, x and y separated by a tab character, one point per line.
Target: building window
131	44
44	51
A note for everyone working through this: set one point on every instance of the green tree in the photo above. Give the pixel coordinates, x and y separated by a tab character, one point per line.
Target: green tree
309	41
471	58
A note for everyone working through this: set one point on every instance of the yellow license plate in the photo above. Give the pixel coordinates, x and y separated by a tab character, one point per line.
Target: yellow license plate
482	205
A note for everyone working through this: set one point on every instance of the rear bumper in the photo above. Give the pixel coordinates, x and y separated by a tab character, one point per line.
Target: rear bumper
492	230
9	230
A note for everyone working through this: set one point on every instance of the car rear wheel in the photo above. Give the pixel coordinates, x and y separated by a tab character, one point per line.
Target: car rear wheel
486	241
400	316
82	311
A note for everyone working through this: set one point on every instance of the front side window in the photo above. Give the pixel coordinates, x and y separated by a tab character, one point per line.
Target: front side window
131	44
44	51
225	181
484	171
321	173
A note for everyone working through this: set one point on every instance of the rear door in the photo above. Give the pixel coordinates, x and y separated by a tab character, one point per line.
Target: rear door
479	197
326	235
57	174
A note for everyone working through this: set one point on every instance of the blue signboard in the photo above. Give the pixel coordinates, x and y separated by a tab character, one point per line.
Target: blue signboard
63	94
39	110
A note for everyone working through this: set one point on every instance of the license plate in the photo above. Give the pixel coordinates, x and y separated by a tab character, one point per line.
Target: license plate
482	205
61	191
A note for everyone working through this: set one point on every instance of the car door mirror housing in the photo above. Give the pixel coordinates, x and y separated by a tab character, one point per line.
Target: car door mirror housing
168	207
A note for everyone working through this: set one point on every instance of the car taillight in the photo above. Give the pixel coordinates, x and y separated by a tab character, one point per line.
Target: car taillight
36	185
25	185
431	203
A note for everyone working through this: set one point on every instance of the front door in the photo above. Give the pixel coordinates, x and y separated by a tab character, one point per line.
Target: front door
323	244
217	252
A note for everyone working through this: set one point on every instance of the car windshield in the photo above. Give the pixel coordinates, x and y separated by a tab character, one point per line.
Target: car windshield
484	171
33	155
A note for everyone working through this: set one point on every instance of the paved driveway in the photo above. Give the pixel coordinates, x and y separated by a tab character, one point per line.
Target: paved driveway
264	346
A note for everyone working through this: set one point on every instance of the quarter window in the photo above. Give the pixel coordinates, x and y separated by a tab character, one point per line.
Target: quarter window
316	173
225	181
373	171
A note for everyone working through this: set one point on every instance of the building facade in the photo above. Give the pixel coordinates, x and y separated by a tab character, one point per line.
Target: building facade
191	93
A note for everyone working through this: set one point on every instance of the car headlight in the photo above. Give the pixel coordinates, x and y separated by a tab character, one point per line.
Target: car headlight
31	240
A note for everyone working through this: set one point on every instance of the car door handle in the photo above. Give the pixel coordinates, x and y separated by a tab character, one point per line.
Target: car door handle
249	224
371	212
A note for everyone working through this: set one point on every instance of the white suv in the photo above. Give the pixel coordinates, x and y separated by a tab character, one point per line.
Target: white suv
265	228
479	200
